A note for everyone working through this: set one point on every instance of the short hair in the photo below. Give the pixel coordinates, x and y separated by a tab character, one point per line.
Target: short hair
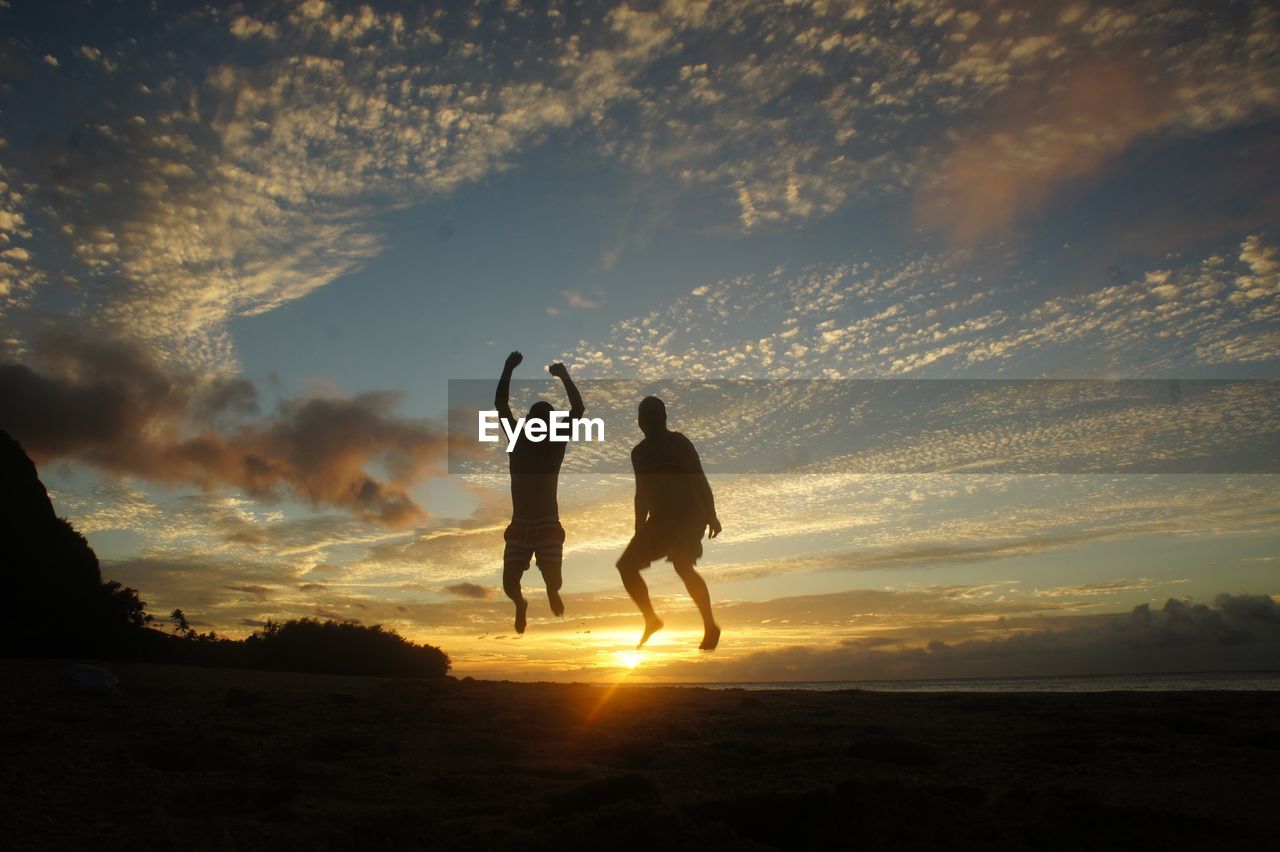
540	410
652	408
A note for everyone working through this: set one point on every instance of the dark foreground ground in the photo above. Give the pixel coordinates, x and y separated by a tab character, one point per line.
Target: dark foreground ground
196	759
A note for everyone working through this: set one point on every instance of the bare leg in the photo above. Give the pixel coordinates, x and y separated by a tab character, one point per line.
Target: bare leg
551	576
697	588
635	586
511	575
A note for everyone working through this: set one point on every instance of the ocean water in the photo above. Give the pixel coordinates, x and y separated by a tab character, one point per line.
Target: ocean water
1181	681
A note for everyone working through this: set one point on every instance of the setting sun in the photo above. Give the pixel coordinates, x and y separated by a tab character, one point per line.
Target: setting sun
629	659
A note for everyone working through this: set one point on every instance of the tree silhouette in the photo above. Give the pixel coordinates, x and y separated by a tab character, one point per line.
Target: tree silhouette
180	624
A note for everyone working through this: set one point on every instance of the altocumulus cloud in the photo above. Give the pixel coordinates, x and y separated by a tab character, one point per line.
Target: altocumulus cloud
196	191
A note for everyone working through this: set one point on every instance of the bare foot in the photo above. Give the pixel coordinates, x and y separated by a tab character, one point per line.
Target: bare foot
521	608
557	605
652	624
710	638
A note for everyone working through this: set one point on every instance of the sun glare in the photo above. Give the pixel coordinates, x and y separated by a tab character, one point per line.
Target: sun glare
629	659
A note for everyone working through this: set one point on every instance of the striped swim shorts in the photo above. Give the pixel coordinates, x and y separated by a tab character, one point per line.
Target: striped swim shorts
540	538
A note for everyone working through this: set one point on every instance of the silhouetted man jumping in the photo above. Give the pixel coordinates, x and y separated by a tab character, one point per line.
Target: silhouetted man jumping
534	531
674	505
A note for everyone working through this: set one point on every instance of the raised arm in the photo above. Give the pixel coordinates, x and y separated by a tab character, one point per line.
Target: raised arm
576	408
502	396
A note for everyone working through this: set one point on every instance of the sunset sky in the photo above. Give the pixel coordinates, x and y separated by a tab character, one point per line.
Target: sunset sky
245	248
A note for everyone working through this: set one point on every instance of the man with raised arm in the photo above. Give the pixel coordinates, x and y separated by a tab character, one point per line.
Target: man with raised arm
674	506
534	531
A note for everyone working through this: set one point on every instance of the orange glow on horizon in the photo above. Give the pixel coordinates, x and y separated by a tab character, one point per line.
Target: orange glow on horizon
629	659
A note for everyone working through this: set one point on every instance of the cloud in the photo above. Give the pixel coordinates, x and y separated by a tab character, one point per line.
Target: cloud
325	570
852	525
254	591
229	592
237	186
20	275
195	192
941	426
1238	632
170	242
470	590
216	590
1106	587
994	628
936	315
1263	261
1082	101
863	524
575	299
109	403
1010	166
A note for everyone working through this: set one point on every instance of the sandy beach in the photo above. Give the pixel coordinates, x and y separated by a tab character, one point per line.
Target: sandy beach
232	759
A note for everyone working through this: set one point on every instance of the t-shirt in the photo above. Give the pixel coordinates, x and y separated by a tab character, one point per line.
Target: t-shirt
667	474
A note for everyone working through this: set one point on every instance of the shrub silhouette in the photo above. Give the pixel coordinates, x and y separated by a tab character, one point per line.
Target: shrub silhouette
336	647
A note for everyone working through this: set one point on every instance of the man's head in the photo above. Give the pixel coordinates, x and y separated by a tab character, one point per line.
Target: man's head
540	411
653	416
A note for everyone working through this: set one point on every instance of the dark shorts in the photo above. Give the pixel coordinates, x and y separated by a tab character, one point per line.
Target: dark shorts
542	538
677	541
